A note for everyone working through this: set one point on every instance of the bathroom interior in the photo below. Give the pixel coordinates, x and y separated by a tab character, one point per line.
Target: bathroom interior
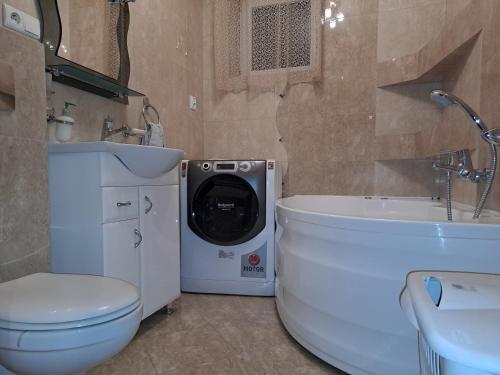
249	187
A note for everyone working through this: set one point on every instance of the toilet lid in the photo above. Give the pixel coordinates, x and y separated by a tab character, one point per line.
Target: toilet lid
47	298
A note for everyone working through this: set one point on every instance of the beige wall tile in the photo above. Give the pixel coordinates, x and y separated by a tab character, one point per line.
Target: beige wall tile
38	261
356	7
403	146
406	109
24	230
351	178
453	7
413	178
24	200
351	46
351	138
28	120
307	177
405	26
387	5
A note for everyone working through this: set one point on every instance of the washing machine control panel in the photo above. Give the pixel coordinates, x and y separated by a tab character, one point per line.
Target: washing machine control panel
226	166
206	166
245	166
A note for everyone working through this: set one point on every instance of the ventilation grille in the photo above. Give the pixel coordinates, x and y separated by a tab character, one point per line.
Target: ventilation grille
281	36
429	359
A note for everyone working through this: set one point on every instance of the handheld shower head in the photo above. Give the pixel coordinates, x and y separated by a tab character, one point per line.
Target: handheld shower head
442	98
492	137
445	99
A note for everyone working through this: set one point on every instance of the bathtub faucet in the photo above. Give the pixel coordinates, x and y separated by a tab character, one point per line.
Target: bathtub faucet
460	163
491	137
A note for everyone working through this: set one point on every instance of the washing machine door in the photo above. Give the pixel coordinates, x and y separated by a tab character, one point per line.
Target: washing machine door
225	210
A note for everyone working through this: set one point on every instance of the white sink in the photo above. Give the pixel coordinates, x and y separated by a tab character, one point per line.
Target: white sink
143	161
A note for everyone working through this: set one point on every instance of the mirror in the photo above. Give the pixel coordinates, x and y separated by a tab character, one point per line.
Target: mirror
86	44
91	32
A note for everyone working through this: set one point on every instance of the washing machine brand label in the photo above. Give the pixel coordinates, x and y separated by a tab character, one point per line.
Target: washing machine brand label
226	254
225	206
254	264
254	259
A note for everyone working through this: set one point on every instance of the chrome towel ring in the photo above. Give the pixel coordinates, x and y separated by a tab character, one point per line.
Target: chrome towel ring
146	107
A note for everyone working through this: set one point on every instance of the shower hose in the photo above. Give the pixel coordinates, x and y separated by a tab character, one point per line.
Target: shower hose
489	181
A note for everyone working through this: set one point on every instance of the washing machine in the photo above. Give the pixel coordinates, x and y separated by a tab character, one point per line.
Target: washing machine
228	225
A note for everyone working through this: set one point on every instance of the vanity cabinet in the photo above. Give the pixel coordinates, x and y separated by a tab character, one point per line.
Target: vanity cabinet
107	221
120	255
159	225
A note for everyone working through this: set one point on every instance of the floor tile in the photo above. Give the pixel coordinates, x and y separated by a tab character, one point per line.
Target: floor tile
215	335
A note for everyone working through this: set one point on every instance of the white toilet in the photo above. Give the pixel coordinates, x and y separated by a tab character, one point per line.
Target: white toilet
59	324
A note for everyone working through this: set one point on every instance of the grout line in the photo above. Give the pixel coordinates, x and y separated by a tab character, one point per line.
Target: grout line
35	252
152	362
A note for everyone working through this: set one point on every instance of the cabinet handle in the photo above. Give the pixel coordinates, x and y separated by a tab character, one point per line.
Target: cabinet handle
121	204
138	234
146	198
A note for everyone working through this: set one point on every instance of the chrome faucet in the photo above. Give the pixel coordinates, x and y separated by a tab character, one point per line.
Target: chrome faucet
107	129
449	100
464	167
460	163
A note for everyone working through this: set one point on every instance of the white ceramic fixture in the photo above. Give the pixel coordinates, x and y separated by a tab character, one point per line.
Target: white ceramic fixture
142	161
106	220
341	264
457	316
57	324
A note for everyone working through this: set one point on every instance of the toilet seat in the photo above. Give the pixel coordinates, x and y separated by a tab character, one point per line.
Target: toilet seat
58	324
46	301
69	325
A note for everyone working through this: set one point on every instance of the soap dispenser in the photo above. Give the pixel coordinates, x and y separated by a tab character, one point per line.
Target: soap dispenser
64	123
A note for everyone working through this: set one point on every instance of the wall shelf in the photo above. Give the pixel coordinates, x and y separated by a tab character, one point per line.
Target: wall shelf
90	81
433	60
79	76
400	146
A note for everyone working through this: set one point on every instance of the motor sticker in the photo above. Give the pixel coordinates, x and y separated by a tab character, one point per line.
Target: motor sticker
254	264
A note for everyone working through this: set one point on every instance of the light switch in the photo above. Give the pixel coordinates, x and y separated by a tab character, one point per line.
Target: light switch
21	22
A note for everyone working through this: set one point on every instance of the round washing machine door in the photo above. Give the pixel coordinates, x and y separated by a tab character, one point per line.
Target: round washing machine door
225	210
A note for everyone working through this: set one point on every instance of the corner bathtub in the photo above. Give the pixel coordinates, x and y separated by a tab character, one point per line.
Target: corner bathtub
342	263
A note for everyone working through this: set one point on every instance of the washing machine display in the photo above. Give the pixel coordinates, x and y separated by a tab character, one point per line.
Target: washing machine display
227	226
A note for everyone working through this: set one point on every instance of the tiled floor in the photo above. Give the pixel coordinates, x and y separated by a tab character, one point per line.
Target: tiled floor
212	335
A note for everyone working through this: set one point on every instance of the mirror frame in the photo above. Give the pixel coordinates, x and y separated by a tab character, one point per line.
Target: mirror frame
51	39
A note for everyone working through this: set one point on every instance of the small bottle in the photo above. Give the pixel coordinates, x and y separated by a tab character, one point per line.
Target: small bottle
64	124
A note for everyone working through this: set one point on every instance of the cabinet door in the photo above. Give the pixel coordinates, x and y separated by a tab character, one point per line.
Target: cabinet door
121	245
159	217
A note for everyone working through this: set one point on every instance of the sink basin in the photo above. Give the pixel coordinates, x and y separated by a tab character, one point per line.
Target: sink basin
143	161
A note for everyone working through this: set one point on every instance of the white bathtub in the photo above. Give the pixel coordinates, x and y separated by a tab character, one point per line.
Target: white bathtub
342	263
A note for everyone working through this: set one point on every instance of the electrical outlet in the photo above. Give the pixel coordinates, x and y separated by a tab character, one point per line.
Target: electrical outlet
193	103
21	22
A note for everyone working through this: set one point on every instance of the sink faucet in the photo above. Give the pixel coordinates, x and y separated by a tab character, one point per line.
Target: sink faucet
107	129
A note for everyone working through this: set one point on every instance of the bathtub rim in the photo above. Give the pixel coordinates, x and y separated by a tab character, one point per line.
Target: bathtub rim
398	227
